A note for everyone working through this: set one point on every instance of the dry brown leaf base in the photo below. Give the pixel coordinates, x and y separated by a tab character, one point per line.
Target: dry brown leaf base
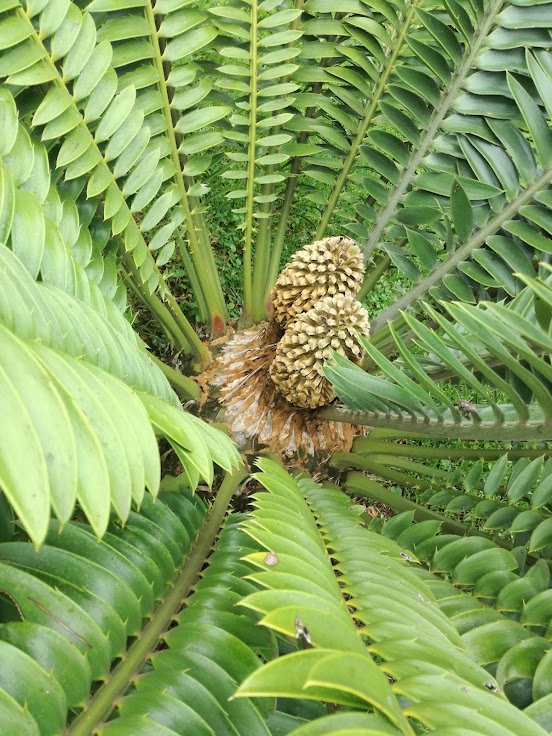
257	416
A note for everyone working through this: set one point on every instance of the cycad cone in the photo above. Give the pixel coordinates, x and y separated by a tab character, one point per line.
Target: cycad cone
318	323
324	268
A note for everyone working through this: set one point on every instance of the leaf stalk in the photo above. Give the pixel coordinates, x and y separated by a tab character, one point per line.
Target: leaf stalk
119	679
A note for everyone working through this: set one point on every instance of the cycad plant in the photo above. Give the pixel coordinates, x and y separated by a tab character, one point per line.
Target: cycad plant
397	155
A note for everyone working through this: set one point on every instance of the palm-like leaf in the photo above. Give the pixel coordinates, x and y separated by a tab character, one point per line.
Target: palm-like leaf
435	676
62	445
214	645
209	651
502	493
423	111
77	623
500	353
79	104
97	627
180	111
67	355
506	352
505	625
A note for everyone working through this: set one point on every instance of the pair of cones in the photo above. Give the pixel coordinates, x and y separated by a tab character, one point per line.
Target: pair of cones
314	303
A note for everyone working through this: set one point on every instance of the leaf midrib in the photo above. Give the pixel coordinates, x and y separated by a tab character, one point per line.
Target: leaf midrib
436	119
201	265
180	320
102	702
251	154
534	429
368	117
462	253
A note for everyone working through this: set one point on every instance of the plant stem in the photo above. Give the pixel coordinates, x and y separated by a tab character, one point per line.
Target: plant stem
194	281
383	334
260	266
200	255
159	311
200	352
285	209
373	275
209	257
283	217
371	109
358	484
365	446
536	430
250	201
118	681
418	483
261	279
185	387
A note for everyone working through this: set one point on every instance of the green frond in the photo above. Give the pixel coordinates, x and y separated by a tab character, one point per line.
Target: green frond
95	611
258	47
503	361
498	492
473	160
503	624
35	310
74	430
208	651
418	122
75	99
367	579
153	46
78	600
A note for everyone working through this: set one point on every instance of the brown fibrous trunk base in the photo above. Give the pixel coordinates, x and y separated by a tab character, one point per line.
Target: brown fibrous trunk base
238	392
